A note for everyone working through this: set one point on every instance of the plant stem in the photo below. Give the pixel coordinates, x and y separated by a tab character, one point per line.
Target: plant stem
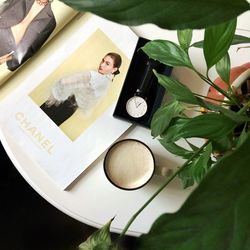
245	108
229	87
208	81
159	190
214	99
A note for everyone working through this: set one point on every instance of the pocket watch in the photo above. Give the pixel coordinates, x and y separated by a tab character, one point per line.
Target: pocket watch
137	106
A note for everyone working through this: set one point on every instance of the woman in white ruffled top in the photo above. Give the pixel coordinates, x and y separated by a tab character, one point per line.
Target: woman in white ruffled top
81	90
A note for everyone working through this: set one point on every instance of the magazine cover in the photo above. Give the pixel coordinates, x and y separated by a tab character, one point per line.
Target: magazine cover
25	26
62	113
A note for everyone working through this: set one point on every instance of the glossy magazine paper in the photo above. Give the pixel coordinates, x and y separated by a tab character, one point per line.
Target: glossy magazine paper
25	27
61	114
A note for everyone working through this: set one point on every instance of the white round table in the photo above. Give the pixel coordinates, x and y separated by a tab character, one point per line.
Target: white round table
91	198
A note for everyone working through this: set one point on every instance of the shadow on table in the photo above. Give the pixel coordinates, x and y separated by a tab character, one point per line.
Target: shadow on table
29	222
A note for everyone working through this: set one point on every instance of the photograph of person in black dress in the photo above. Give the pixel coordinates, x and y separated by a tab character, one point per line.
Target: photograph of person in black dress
25	25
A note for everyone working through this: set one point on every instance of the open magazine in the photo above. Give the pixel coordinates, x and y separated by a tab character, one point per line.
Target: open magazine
61	113
25	27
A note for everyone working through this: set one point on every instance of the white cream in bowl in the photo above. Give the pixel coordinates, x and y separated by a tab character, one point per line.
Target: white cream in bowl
129	164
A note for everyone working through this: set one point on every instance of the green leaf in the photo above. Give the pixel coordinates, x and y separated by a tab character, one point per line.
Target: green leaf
99	240
197	168
234	116
168	53
201	165
180	91
163	116
167	14
105	246
171	134
216	214
217	41
223	67
186	177
238	39
185	38
242	137
209	126
223	144
191	145
198	44
176	149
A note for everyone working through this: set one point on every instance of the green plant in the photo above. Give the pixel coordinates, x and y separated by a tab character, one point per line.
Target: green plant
169	14
216	215
217	125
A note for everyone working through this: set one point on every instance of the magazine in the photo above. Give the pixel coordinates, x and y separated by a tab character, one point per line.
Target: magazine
62	112
25	27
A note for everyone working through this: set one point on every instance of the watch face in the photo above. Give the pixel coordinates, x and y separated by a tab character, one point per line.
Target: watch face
136	106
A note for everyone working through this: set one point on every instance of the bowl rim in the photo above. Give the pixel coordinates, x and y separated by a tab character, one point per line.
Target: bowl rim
105	165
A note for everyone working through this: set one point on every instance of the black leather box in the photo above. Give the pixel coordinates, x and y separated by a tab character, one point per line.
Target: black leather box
135	74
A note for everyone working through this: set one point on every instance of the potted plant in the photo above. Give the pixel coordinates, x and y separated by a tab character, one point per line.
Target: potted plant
218	124
216	215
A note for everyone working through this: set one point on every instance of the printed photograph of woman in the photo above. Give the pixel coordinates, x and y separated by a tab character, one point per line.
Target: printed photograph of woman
81	90
25	25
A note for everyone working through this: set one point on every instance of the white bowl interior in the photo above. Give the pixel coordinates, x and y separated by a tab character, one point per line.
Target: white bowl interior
129	164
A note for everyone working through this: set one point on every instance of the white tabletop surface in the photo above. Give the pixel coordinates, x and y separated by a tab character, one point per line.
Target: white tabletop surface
92	199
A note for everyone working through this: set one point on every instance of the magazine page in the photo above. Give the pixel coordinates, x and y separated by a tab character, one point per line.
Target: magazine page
61	114
25	26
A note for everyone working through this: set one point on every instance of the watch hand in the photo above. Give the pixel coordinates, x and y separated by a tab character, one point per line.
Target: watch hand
135	103
139	104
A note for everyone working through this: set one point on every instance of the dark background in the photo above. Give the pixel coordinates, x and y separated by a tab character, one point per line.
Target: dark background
29	222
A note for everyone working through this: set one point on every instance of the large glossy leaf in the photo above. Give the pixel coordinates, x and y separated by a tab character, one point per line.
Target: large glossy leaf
209	126
215	216
217	41
163	116
168	53
180	91
170	14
